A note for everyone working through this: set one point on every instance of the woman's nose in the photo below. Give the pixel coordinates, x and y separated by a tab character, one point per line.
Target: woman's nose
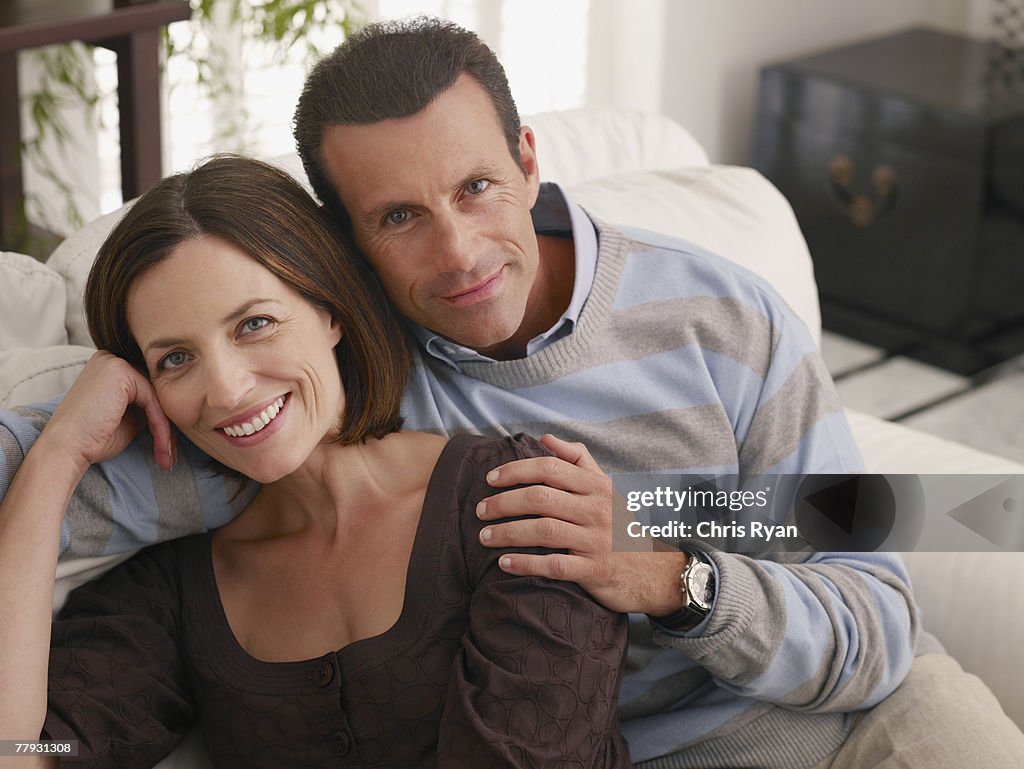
228	381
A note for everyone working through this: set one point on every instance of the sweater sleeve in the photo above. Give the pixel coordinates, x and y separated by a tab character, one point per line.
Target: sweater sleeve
829	632
117	682
536	678
128	502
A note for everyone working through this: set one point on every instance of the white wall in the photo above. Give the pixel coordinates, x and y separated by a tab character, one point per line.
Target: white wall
698	60
626	53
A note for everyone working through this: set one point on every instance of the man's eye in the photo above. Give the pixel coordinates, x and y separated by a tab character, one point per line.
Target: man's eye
477	186
255	324
401	216
172	361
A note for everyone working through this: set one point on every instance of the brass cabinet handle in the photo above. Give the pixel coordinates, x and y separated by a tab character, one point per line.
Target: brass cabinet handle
860	208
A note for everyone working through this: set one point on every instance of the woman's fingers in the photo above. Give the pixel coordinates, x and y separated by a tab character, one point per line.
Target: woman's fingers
159	425
95	420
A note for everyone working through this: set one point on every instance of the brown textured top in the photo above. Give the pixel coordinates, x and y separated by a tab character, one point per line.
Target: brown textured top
482	669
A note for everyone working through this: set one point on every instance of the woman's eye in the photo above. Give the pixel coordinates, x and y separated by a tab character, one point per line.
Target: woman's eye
477	186
172	361
401	216
254	324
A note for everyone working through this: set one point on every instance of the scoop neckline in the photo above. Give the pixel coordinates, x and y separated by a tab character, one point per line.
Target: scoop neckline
235	662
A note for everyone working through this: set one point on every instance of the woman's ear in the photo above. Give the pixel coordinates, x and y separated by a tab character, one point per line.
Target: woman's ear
336	331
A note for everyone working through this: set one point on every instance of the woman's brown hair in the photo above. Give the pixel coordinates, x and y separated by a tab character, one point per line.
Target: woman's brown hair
263	211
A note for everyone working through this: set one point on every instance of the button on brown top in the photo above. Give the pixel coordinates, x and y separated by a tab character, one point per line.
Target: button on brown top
323	674
341	743
482	668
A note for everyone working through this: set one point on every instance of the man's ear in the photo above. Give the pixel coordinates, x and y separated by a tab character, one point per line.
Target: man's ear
528	157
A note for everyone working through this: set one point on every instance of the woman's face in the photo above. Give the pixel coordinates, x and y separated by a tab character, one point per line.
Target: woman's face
241	363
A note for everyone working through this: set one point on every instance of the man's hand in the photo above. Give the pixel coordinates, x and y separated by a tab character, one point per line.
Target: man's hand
574	501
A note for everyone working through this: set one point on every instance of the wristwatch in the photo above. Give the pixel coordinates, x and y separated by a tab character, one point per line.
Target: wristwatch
697	583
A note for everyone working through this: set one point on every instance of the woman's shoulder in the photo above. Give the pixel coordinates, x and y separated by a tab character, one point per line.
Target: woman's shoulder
161	567
476	453
468	458
166	561
152	576
461	478
173	553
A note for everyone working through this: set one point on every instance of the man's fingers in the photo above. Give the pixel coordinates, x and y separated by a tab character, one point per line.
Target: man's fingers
535	500
571	568
538	532
550	471
575	453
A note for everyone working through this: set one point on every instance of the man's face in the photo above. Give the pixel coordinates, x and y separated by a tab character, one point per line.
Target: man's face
442	212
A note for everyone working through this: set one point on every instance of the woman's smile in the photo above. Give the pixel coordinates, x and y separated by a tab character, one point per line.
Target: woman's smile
255	425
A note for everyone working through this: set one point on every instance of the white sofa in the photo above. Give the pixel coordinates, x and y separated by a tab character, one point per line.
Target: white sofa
645	171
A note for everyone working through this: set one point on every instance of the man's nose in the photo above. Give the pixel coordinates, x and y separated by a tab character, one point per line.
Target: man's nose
228	380
453	243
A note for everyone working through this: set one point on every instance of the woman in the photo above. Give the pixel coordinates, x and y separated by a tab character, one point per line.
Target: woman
348	616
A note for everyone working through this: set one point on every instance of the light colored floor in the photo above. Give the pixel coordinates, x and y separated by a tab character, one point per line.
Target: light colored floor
986	413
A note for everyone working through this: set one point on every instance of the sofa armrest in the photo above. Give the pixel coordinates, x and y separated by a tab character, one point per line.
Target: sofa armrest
972	602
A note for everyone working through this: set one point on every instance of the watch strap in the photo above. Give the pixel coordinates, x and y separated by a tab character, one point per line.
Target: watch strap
691	614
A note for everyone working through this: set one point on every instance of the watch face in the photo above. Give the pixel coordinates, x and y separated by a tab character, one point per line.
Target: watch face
700	584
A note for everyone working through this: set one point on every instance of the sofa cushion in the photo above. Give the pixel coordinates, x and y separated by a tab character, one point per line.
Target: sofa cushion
37	374
985	632
32	300
577	145
72	260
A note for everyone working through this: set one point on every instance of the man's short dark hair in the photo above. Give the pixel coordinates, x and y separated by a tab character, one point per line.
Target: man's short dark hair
388	70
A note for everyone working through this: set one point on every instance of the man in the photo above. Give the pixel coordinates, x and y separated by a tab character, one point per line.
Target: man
656	356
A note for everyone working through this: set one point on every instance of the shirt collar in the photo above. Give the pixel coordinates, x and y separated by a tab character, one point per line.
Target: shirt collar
556	215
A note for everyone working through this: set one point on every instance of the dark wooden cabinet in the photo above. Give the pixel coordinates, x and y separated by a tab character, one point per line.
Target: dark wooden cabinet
903	158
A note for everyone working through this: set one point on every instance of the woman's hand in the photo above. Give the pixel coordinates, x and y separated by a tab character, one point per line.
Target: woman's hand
100	415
